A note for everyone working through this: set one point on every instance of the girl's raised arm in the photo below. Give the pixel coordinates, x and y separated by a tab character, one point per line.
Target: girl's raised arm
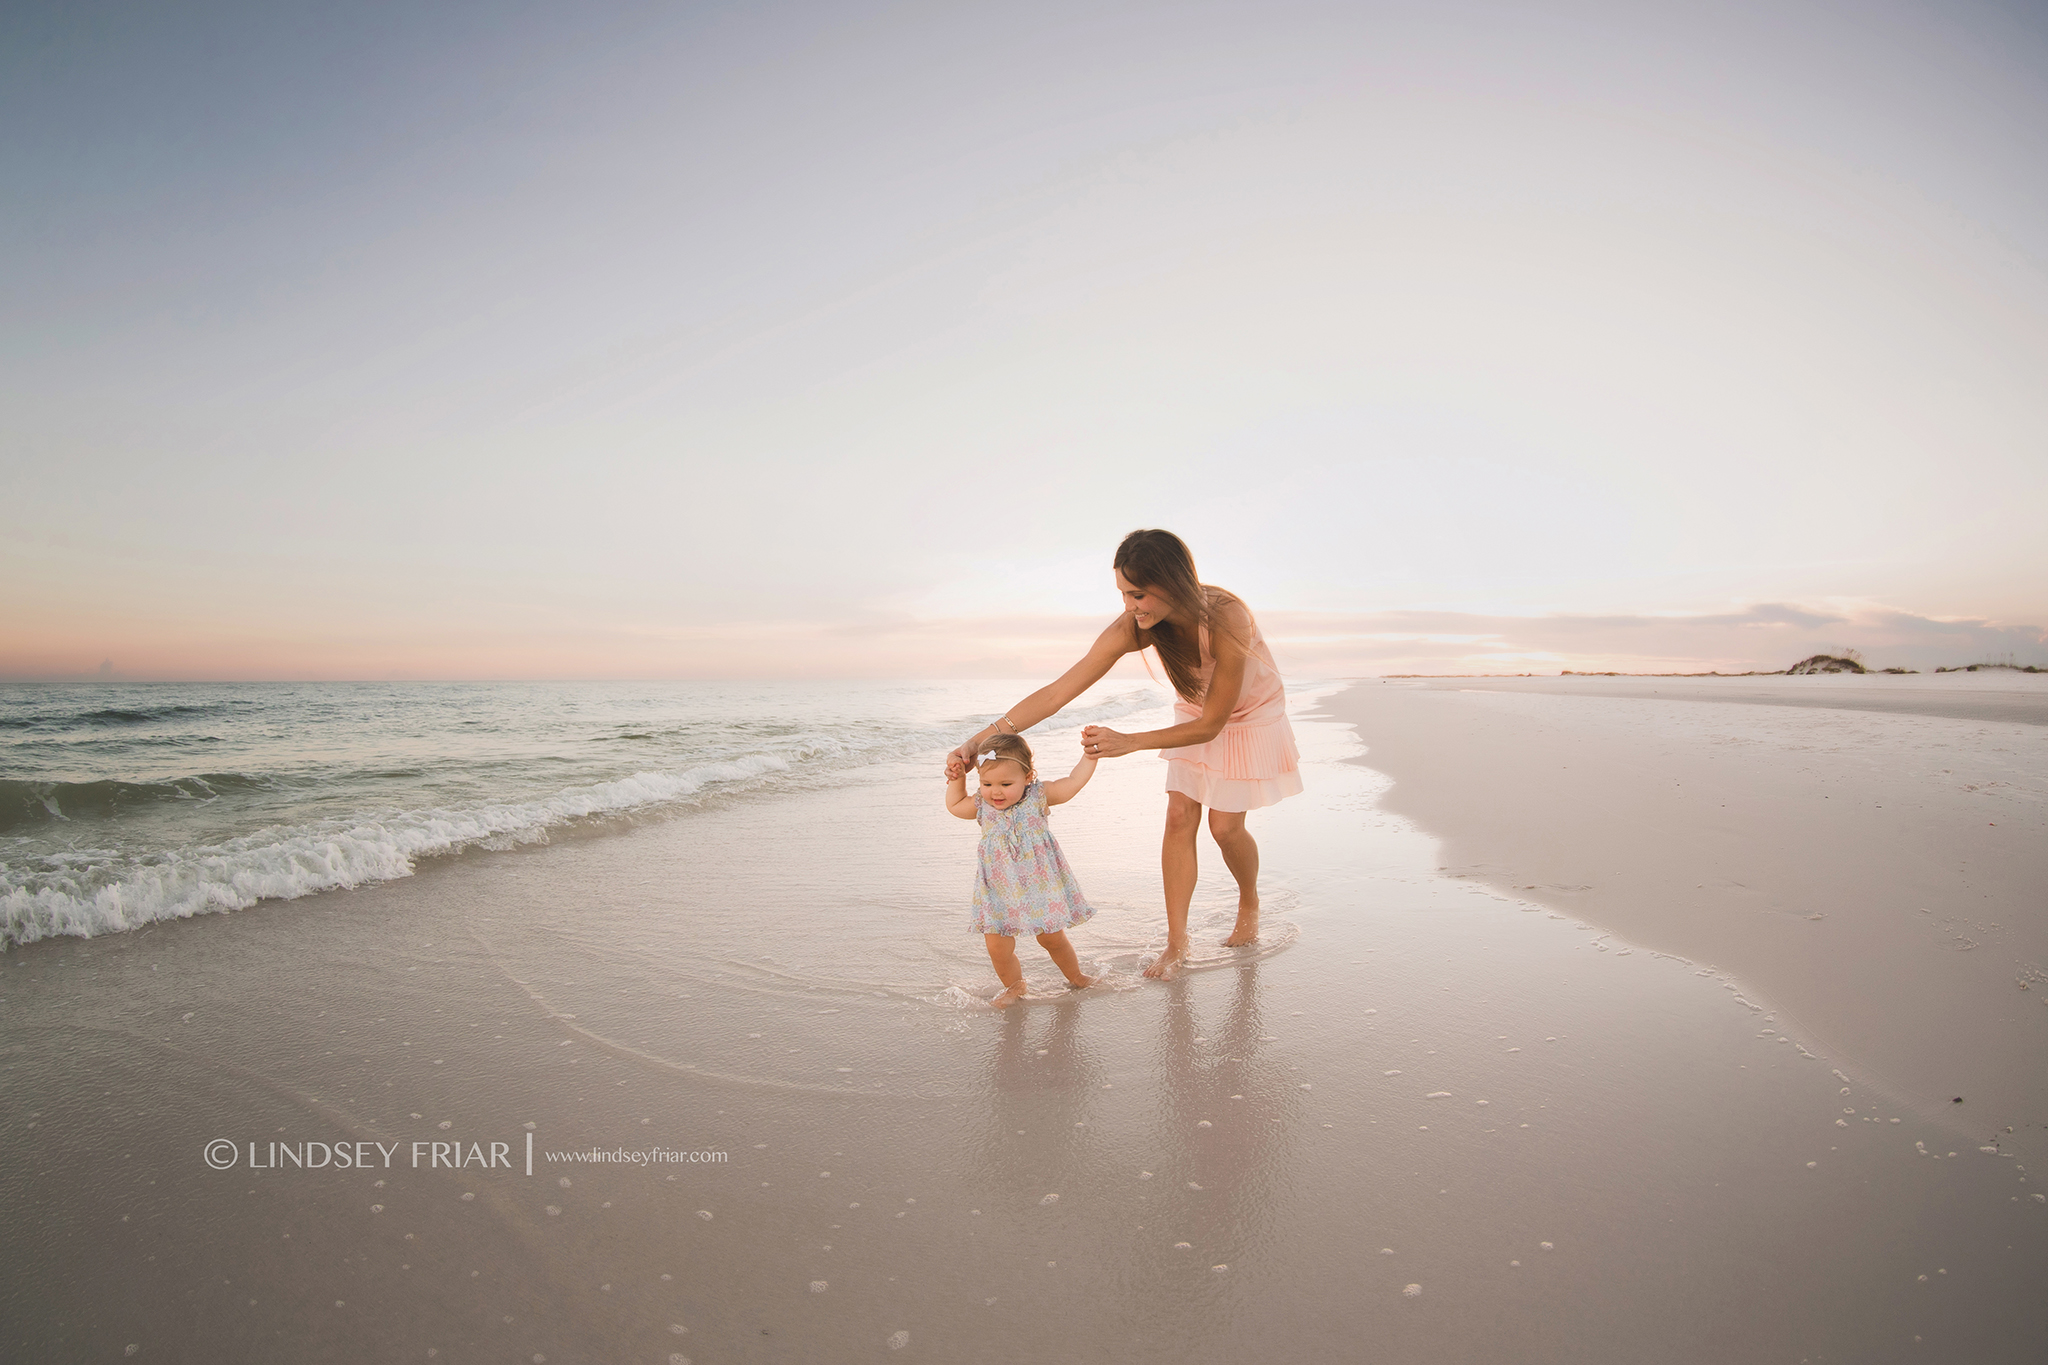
957	799
1069	787
1119	638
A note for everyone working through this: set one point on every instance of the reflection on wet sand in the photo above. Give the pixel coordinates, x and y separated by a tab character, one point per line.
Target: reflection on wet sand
1220	1130
1043	1077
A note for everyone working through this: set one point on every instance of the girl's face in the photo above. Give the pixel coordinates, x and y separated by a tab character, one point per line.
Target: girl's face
1003	782
1143	605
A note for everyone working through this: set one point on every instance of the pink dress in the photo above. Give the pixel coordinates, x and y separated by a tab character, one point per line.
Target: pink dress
1253	762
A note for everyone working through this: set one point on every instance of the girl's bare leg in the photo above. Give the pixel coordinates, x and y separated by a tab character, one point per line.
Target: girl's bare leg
1063	957
1002	951
1177	870
1241	856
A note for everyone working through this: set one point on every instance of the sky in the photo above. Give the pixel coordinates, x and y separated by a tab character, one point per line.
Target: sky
845	339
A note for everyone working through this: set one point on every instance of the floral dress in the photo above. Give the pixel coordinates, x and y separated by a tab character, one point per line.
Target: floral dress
1023	884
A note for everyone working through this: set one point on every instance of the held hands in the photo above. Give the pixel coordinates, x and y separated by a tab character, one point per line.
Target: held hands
1101	742
956	767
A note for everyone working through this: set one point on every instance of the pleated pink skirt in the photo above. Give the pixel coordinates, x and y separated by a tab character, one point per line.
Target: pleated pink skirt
1244	768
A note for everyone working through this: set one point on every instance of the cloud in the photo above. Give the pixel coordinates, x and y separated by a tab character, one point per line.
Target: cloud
1761	637
1758	637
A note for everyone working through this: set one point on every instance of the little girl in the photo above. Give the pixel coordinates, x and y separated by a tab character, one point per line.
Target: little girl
1023	883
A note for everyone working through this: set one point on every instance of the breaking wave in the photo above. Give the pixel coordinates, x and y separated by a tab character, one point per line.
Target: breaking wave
342	788
98	897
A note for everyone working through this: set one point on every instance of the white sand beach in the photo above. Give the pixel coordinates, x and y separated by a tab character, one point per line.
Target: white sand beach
1433	1118
1869	854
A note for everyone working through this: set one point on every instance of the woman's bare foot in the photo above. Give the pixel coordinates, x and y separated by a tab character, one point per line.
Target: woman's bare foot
1010	996
1167	965
1247	930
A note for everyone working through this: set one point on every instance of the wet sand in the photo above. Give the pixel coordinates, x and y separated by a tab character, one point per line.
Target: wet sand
1570	1148
1869	854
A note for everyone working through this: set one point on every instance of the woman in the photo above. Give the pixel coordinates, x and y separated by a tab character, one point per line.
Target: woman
1231	748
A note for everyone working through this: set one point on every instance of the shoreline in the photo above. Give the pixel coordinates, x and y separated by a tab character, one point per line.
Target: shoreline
1873	873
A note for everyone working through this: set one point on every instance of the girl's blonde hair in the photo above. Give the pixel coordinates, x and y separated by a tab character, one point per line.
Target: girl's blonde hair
1011	747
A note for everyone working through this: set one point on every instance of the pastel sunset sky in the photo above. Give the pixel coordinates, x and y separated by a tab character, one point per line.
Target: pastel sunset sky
749	340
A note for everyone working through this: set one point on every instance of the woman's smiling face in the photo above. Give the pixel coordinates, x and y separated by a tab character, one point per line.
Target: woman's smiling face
1144	606
1003	782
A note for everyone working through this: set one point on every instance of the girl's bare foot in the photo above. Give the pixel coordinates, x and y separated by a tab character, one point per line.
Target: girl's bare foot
1167	965
1010	996
1081	983
1247	930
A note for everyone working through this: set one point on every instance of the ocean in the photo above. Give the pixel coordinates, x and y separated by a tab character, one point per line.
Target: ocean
127	804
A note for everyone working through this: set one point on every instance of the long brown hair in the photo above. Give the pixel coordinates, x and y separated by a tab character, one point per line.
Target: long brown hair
1161	563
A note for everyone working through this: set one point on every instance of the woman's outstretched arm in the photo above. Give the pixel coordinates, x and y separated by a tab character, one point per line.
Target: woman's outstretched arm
1118	639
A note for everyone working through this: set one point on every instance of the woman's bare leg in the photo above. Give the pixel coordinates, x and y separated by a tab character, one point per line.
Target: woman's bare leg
1064	957
1177	870
1002	952
1241	856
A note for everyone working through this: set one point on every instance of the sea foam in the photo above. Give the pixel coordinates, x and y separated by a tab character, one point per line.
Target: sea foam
282	864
